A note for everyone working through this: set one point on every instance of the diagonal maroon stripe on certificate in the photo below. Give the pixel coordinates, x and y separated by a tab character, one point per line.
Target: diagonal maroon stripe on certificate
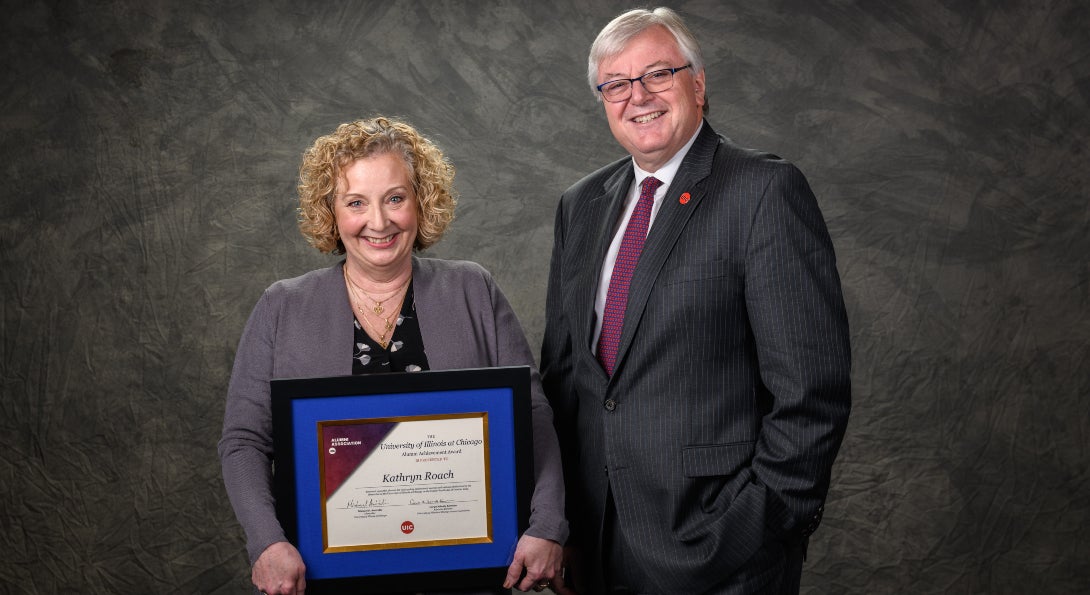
344	447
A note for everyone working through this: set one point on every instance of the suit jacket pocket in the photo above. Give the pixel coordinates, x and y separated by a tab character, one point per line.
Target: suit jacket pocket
717	459
695	272
717	473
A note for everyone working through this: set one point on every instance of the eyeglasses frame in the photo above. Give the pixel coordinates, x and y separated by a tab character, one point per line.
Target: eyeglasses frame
632	82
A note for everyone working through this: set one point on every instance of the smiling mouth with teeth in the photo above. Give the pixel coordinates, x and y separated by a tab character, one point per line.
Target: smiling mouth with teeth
647	117
384	240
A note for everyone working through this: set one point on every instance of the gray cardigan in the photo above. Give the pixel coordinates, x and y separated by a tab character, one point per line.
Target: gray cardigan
301	328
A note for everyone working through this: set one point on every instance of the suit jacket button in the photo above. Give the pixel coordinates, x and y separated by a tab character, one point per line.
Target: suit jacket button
610	404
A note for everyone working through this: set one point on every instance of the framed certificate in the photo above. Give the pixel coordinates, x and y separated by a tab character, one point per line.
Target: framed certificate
404	482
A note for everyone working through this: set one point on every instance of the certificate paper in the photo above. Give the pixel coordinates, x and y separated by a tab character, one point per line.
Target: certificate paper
405	482
351	478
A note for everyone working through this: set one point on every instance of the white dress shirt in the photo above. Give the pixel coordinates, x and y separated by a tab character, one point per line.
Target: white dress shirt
665	174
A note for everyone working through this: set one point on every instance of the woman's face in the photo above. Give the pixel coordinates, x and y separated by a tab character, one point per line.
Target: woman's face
375	212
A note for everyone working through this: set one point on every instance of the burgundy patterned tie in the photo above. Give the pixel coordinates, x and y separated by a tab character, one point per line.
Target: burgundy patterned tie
627	257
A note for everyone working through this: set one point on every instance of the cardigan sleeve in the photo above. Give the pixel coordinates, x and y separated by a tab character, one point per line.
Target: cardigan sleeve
547	519
246	446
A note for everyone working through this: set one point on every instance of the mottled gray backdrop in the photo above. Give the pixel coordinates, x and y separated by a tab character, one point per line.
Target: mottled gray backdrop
149	153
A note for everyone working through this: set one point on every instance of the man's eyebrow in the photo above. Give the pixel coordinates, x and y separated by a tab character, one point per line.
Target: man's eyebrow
658	65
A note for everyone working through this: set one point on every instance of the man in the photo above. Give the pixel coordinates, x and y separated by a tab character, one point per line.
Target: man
696	346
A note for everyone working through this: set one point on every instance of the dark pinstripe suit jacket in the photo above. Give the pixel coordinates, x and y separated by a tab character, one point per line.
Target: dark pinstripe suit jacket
731	393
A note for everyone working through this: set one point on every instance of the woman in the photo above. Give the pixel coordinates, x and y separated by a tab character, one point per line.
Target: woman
375	191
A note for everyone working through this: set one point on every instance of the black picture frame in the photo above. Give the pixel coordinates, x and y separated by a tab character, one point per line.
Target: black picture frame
503	393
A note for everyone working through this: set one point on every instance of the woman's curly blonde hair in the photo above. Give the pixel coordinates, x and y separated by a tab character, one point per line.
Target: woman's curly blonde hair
432	177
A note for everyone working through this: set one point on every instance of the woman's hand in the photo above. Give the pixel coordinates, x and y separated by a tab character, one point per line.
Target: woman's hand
279	570
569	569
540	558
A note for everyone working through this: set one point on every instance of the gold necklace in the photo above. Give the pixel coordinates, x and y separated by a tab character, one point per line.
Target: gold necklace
377	308
387	325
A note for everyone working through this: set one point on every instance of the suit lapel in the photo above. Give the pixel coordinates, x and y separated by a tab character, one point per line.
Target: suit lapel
601	214
667	229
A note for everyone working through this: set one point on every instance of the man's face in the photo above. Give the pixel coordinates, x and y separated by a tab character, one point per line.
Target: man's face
652	127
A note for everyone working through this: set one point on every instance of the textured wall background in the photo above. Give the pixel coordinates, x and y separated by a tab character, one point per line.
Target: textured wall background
149	152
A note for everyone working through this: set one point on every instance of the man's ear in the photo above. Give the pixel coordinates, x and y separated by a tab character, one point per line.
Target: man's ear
698	88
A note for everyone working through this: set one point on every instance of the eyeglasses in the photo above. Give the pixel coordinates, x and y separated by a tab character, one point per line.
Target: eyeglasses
655	81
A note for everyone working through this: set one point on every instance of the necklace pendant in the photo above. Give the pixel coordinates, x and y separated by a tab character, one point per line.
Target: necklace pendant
378	309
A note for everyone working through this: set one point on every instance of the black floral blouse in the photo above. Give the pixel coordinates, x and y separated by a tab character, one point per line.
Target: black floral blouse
404	352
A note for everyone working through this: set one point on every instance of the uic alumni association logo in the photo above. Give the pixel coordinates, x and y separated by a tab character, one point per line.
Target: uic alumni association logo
407	527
